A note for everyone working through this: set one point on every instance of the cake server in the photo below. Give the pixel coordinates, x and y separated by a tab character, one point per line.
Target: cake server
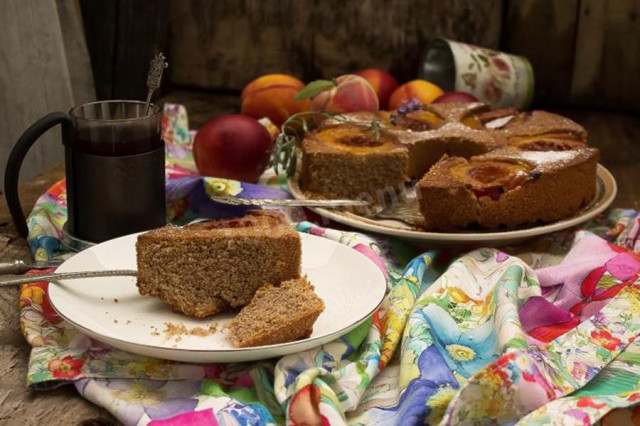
10	280
284	202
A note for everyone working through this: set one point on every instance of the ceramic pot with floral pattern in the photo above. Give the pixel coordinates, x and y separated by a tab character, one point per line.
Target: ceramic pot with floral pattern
496	78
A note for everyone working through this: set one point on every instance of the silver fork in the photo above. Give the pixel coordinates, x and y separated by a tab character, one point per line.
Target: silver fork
9	280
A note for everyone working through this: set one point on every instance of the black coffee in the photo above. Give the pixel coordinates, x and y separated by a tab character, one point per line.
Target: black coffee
119	148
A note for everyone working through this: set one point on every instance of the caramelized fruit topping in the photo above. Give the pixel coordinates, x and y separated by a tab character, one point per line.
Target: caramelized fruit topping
231	223
357	139
487	173
418	121
492	178
547	143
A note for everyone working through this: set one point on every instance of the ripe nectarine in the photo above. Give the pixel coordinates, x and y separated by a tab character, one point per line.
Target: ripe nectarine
351	93
382	82
422	90
233	147
272	96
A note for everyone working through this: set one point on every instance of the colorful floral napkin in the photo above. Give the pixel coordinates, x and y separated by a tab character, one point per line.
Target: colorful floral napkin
539	333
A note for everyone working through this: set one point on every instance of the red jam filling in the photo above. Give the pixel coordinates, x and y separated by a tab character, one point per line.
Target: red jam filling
546	145
360	141
494	193
413	124
232	223
492	179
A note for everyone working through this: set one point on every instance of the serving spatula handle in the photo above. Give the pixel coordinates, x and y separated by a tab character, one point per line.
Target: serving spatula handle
26	279
285	202
15	268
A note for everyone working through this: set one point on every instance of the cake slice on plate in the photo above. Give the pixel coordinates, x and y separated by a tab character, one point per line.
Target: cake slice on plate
277	315
206	268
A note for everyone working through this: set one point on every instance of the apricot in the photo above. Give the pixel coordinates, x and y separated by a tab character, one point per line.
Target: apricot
422	90
382	82
272	96
495	173
351	93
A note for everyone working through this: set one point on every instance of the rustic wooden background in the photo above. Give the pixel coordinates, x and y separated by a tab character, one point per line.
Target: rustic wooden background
585	53
44	67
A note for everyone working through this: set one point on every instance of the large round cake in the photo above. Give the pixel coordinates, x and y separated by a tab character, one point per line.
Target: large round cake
475	167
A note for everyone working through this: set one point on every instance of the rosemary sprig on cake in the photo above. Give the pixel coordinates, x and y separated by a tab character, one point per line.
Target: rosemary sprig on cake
346	93
285	151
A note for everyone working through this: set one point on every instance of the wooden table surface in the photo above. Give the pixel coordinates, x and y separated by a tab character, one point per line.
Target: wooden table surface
617	135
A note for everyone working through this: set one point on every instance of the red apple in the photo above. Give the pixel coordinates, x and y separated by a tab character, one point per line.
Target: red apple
233	147
382	82
455	97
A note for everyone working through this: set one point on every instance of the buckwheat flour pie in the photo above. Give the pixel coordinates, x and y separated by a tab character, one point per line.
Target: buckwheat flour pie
209	267
476	167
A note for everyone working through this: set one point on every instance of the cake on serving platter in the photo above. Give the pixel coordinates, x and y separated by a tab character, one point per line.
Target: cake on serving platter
507	187
424	145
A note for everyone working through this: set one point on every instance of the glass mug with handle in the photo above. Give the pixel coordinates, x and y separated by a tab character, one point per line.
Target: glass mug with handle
114	166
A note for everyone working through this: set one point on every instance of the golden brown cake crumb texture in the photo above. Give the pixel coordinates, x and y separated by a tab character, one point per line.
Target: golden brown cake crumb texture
350	161
206	268
506	188
277	315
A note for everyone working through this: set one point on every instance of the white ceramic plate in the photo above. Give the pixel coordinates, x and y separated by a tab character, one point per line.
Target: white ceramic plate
606	190
350	284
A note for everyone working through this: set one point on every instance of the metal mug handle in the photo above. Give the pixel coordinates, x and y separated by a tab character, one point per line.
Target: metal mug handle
17	155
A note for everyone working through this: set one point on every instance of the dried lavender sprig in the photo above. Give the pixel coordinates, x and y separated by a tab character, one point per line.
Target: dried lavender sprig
406	107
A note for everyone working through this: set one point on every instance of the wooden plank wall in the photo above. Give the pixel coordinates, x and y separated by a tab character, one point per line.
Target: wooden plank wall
123	36
225	44
584	52
44	67
606	70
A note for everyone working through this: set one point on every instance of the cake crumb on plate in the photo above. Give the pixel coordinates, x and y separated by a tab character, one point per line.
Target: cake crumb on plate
176	331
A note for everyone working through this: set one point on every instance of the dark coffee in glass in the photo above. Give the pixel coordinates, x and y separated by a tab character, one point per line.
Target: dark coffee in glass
114	164
115	170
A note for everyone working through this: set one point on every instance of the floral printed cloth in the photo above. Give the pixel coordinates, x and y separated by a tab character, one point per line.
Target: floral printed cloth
539	333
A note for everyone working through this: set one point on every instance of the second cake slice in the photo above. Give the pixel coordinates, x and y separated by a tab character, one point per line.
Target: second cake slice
277	315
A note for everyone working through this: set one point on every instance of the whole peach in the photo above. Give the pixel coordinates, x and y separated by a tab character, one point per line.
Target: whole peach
272	96
382	82
351	93
422	90
232	147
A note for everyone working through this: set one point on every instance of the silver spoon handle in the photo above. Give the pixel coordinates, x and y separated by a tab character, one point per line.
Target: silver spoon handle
157	66
234	201
26	279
